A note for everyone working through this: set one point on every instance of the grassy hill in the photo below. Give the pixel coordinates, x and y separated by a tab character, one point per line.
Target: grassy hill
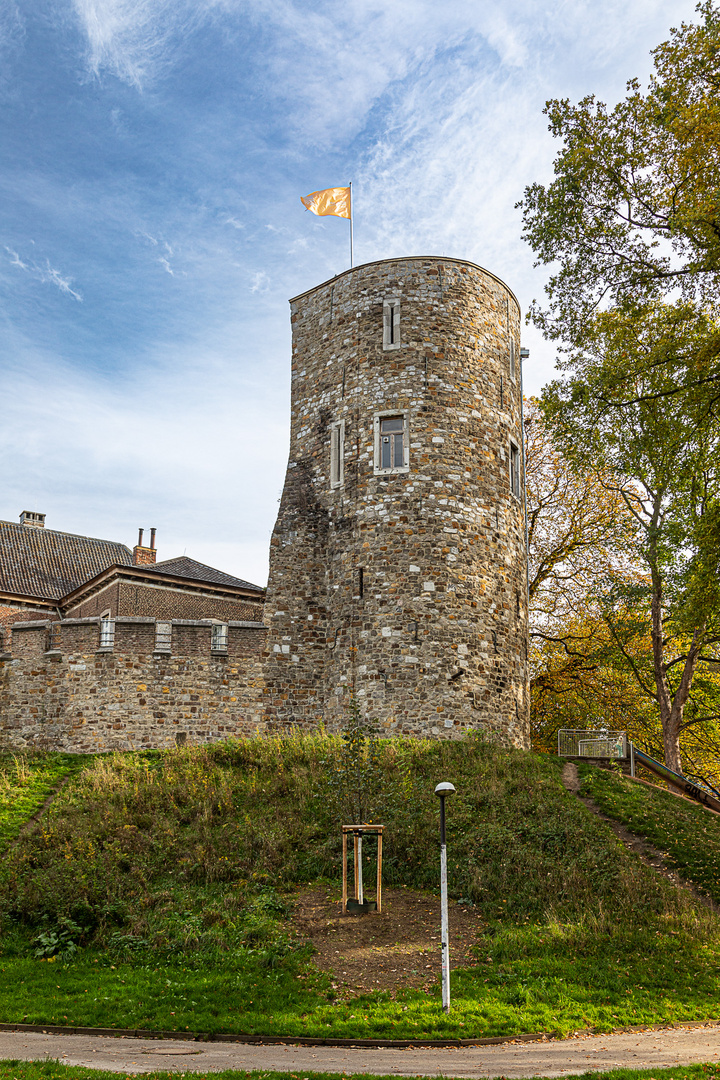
156	890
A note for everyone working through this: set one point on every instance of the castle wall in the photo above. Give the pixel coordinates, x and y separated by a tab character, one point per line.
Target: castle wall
404	587
60	690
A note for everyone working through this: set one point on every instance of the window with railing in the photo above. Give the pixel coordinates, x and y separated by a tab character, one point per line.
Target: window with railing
219	640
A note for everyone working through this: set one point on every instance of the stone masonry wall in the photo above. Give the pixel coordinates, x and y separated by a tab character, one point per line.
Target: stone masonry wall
59	690
406	589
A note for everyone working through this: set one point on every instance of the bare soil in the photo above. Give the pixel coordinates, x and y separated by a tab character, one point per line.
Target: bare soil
395	949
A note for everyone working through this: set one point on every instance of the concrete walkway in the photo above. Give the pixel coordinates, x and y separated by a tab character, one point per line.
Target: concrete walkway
639	1050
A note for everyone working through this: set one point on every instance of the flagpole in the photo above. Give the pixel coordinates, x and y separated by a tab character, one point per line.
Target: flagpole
351	227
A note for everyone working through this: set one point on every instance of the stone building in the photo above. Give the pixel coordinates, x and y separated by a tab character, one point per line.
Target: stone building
47	574
398	572
398	560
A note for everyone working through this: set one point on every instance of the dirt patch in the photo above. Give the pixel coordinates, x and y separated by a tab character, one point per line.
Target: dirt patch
395	949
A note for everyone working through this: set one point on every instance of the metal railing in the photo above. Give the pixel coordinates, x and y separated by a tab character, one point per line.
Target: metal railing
592	743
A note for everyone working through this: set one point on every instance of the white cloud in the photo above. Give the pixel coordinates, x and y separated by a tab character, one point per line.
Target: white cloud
260	282
134	39
46	274
12	28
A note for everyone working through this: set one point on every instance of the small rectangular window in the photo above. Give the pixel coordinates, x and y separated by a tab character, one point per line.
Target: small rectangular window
512	358
391	323
337	454
107	633
219	642
163	636
391	443
515	470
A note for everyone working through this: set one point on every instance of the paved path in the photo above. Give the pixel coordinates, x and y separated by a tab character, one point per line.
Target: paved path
640	1050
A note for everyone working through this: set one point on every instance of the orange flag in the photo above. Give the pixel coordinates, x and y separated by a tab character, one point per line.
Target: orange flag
332	202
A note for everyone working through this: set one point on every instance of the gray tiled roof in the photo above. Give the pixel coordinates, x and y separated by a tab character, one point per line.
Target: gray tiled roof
189	568
47	564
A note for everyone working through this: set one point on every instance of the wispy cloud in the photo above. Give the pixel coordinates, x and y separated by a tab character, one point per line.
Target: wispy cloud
260	282
134	39
47	274
12	27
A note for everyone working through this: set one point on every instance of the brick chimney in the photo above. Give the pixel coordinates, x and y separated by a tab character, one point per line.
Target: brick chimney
144	556
29	517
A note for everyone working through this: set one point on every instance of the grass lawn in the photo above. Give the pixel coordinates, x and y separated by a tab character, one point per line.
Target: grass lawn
52	1070
687	833
156	891
26	781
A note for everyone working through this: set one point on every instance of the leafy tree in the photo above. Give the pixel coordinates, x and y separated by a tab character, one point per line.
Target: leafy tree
631	223
353	781
580	533
616	411
634	210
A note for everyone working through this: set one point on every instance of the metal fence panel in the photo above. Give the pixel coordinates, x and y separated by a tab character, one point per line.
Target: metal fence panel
592	743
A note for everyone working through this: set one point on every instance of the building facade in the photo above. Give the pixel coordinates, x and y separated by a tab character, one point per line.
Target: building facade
398	568
398	560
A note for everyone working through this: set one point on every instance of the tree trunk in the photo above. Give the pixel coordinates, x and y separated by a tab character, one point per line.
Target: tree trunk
672	706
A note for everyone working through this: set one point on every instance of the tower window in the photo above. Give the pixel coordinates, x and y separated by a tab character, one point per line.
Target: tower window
391	323
391	443
337	454
512	358
515	470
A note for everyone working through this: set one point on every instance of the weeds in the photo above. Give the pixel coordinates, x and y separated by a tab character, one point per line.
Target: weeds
26	781
177	868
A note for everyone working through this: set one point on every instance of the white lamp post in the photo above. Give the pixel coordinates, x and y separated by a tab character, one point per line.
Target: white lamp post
443	790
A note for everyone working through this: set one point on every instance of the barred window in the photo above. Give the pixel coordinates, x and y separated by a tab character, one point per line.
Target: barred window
107	633
219	641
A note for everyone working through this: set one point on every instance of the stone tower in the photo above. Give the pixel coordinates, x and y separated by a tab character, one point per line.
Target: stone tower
398	563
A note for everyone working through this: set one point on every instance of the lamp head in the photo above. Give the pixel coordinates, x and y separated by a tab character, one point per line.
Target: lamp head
445	789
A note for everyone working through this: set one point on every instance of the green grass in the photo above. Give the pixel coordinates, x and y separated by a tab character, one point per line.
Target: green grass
161	884
54	1070
686	833
26	781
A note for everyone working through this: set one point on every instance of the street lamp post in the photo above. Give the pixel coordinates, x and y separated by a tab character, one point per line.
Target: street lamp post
443	790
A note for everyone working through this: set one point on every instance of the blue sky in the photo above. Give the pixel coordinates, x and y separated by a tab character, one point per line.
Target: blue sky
152	158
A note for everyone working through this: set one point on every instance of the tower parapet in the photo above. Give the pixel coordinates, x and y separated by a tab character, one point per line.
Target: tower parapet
398	561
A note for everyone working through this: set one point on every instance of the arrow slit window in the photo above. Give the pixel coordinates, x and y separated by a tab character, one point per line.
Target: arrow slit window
337	454
515	470
391	323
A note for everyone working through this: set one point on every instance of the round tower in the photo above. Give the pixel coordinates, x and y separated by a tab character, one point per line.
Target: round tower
398	560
